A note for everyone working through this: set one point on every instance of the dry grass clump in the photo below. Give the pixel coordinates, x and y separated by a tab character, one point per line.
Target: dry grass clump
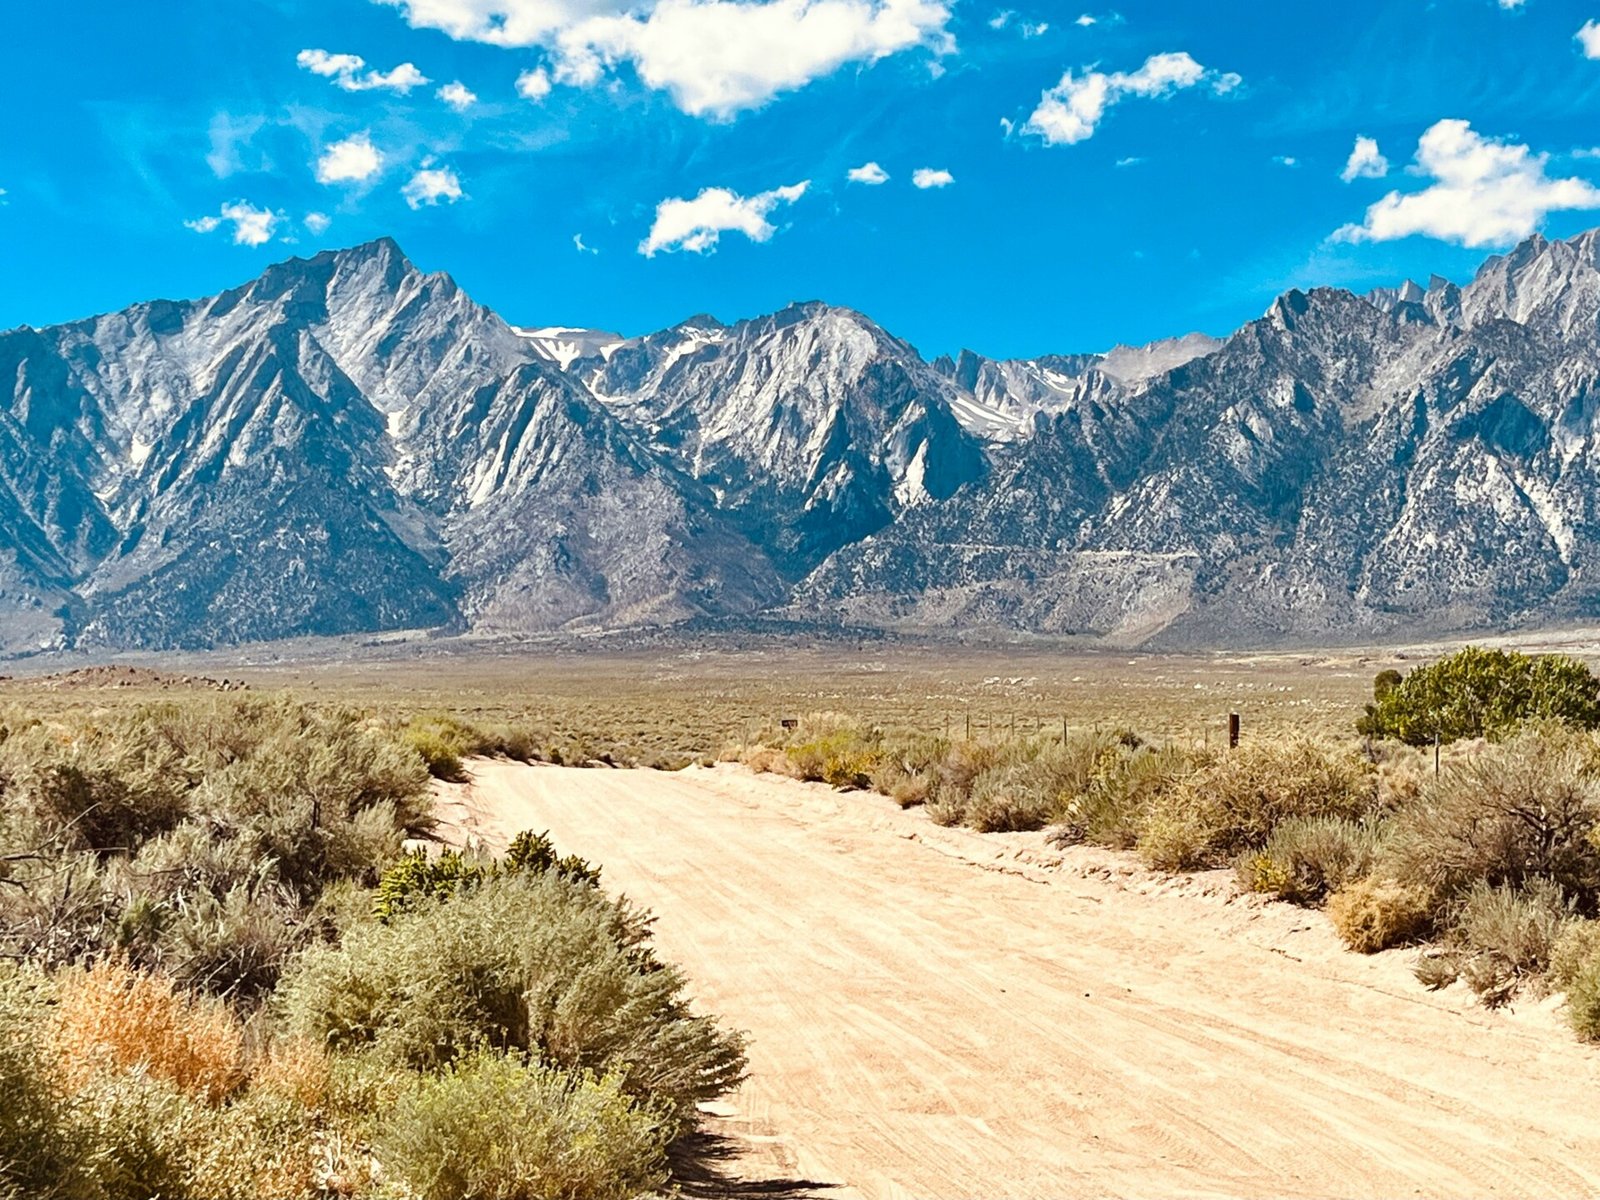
110	1016
1113	809
1378	914
1231	802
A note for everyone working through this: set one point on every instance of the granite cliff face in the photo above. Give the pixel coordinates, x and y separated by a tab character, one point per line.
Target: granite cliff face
348	445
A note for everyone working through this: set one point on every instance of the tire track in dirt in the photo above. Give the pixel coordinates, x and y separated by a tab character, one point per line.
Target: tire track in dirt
936	1014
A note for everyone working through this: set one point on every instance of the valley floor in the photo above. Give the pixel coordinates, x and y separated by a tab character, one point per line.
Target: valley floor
938	1013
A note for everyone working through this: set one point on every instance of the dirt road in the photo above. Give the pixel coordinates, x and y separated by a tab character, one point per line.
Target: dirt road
935	1013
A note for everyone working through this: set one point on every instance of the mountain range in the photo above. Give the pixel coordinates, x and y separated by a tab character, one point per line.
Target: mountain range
350	445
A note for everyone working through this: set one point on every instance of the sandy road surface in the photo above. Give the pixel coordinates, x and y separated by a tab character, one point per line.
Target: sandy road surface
939	1014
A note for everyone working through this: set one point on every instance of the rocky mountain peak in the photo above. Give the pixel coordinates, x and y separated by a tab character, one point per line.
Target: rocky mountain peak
348	444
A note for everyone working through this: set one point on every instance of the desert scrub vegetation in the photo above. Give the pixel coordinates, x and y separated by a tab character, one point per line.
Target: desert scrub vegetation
194	837
1490	868
222	975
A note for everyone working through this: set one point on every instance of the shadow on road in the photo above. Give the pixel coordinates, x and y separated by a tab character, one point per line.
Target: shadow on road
705	1166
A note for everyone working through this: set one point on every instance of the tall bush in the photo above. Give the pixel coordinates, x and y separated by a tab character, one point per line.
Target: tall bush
535	963
1482	693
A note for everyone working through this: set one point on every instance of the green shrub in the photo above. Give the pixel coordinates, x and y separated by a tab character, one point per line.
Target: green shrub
1377	914
1522	810
1579	942
529	962
491	1127
535	852
1305	858
441	756
417	880
1482	693
842	756
1575	967
1583	1000
1011	800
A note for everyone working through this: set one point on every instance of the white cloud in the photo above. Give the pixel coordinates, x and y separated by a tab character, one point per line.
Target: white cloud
1131	161
331	66
457	95
252	226
432	185
714	57
1589	38
1366	161
1286	160
868	172
928	177
1001	19
1484	193
534	84
1072	110
577	244
317	223
1510	4
350	161
1086	20
698	224
1033	31
346	72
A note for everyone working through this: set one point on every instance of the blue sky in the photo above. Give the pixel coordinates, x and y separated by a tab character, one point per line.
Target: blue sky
1100	174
